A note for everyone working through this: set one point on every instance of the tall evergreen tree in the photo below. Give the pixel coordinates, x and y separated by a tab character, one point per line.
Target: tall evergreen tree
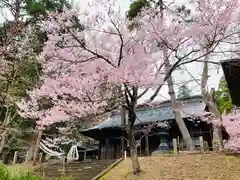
223	97
19	67
184	92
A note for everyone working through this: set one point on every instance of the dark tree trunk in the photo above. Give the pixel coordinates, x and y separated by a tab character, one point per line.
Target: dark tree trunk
131	100
133	152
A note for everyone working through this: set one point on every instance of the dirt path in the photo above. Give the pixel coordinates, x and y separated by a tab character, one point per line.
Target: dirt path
181	167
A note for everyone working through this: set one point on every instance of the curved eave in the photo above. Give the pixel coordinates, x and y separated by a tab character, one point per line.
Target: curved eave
100	133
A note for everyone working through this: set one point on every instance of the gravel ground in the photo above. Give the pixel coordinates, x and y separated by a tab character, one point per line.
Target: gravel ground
180	167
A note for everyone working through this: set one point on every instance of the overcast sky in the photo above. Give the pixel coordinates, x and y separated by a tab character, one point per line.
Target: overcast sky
180	78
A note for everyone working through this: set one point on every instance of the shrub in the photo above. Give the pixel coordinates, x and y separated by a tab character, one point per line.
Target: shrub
27	176
6	175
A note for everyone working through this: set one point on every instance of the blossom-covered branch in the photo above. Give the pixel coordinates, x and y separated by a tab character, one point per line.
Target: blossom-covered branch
76	64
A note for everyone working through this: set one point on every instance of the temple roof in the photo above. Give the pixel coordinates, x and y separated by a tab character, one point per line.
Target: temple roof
190	107
86	146
231	69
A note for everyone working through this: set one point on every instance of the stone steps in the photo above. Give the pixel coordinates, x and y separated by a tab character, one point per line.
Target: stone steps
81	167
83	163
73	173
85	177
77	170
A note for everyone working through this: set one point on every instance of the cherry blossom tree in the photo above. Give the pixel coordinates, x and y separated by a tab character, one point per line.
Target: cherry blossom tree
213	29
76	63
231	123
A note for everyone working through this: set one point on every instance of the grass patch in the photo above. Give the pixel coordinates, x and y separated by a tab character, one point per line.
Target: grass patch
180	167
17	169
14	173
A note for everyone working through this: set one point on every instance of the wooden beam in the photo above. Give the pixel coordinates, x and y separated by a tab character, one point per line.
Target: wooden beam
140	147
146	145
84	156
15	157
103	151
107	148
99	150
175	145
122	146
201	144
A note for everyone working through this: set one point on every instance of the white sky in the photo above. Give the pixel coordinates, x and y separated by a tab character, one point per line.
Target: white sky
179	78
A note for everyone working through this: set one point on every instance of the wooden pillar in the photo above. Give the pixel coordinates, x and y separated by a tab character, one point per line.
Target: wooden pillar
99	150
40	157
146	145
123	123
140	147
107	148
123	115
122	146
110	151
15	157
113	149
84	156
201	144
27	156
178	142
205	146
103	151
119	155
175	149
63	168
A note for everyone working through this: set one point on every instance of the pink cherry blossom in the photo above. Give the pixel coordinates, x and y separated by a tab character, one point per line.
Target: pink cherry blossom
77	63
232	124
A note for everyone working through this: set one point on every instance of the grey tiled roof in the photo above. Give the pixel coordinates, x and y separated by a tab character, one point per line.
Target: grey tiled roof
193	106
